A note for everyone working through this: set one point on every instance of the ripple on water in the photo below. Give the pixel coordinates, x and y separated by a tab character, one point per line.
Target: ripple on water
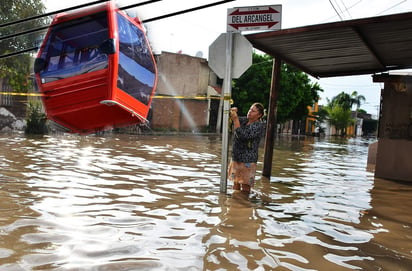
153	203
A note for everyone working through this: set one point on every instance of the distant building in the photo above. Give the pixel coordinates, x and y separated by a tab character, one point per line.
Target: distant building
310	127
16	104
184	99
301	127
394	147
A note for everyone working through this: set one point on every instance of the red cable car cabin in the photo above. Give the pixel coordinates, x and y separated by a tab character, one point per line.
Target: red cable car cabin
96	70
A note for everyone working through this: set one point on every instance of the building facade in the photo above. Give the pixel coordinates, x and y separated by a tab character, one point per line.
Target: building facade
183	100
394	147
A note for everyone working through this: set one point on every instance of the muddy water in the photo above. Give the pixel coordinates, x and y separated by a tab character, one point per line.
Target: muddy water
153	203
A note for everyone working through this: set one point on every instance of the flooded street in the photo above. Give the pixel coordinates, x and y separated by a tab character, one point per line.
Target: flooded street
126	202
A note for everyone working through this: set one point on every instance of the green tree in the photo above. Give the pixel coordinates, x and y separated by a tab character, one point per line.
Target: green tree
16	70
340	117
296	90
343	100
339	110
254	84
357	99
321	118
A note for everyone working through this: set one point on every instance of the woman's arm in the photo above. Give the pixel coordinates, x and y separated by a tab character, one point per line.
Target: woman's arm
234	117
254	130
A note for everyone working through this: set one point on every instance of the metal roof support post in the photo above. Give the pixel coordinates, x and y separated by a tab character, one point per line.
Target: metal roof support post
271	119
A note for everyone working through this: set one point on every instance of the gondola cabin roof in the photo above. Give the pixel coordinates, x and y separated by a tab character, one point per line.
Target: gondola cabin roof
70	15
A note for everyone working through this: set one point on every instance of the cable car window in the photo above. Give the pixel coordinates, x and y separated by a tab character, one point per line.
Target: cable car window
136	74
72	48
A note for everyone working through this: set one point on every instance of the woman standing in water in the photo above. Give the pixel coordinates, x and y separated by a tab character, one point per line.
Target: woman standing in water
247	133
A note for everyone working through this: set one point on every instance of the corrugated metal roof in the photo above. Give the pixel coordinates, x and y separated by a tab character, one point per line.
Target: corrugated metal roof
354	47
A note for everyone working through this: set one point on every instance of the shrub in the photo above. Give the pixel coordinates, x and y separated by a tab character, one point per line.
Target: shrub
36	118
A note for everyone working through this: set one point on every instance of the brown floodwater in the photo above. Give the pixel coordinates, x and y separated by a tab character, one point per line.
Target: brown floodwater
127	202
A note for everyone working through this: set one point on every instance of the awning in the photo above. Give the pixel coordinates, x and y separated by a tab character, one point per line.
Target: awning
354	47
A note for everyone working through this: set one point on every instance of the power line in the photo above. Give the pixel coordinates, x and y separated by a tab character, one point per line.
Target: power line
346	8
333	6
125	7
19	52
5	37
187	10
353	5
50	13
392	7
63	10
339	8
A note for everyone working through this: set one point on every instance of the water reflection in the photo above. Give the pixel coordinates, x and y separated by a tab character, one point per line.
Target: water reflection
153	203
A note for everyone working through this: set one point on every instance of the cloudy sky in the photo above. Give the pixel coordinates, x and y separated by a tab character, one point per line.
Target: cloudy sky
192	33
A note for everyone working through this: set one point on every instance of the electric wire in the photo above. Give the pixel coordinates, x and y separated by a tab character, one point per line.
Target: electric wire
399	3
125	7
349	8
50	13
333	6
346	8
339	8
187	10
63	10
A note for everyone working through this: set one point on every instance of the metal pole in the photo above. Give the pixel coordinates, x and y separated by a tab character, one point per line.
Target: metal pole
271	120
227	89
219	115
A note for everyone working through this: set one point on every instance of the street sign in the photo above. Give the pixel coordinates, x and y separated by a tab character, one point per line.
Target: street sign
241	59
254	18
230	55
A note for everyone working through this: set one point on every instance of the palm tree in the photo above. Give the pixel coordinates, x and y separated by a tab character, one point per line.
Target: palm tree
340	118
342	99
356	100
339	110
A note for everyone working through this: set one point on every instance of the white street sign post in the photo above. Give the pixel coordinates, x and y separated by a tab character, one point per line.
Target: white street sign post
241	55
254	18
230	55
227	90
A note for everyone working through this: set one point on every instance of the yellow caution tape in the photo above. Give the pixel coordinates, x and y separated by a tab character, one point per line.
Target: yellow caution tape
21	94
186	97
155	96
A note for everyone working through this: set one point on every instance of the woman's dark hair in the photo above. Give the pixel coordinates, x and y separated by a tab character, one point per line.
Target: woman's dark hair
260	108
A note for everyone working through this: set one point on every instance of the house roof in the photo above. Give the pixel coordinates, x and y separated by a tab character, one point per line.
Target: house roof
353	47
